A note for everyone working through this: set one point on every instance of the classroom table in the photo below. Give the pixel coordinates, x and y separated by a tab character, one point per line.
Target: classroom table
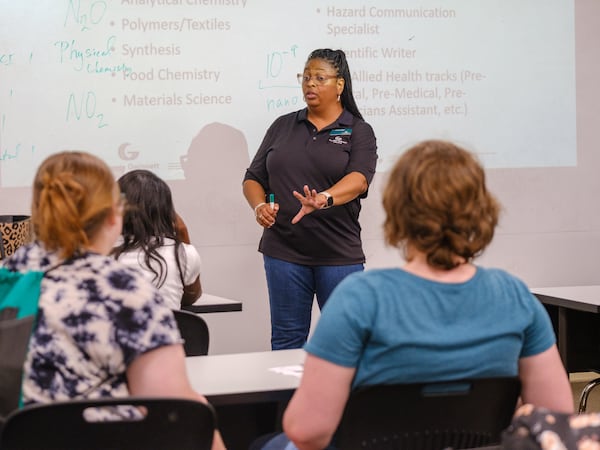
208	303
574	311
249	391
246	377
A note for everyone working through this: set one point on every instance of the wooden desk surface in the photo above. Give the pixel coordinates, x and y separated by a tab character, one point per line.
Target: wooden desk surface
580	298
244	377
208	303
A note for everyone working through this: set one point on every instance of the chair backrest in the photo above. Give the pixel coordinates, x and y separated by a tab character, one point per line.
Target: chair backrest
166	424
194	331
429	416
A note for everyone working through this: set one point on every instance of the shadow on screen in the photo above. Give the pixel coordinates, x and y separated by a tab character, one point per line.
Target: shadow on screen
210	197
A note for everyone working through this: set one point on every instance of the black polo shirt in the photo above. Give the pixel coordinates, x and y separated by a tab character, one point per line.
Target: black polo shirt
294	154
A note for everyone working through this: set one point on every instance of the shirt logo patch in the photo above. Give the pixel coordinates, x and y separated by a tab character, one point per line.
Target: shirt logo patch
338	140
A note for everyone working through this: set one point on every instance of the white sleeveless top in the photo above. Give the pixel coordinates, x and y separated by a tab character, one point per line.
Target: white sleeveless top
171	290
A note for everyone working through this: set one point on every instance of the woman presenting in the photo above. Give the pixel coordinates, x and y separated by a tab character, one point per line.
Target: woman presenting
304	185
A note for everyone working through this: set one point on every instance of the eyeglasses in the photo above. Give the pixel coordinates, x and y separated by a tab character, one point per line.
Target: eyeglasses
318	79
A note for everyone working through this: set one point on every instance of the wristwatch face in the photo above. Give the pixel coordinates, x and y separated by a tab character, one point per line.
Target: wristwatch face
329	198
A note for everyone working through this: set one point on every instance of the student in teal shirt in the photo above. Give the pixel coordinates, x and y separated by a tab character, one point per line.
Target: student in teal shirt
439	316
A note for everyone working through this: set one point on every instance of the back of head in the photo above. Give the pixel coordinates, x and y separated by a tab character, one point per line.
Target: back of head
436	202
73	194
150	213
149	219
337	58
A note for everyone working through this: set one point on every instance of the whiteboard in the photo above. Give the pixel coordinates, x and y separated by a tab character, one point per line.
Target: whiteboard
135	82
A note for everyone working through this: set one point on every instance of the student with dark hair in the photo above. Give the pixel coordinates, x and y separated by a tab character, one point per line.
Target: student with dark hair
438	317
315	166
102	329
156	239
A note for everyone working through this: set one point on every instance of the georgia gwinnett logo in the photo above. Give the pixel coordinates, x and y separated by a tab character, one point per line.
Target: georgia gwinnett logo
127	155
338	140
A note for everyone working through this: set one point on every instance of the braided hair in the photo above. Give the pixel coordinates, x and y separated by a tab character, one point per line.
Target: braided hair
337	58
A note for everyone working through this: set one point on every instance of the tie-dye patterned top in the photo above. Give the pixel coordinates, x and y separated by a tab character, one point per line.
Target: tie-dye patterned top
95	317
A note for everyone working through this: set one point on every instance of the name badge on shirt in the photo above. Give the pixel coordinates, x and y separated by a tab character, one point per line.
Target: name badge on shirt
340	135
341	132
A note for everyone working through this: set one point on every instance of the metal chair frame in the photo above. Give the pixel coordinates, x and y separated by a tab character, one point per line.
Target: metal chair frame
585	393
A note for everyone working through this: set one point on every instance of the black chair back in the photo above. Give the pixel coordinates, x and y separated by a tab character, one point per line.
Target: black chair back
194	331
429	416
166	424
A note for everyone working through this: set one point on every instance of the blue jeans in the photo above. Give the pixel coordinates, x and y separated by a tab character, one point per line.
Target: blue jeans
292	288
281	442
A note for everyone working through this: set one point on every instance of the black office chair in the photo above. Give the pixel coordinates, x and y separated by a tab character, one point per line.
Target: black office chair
194	331
167	424
428	416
